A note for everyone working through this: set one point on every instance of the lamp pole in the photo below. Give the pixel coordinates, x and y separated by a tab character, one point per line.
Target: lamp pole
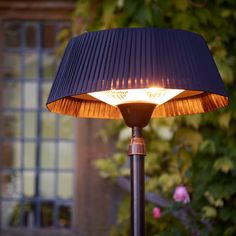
137	116
137	152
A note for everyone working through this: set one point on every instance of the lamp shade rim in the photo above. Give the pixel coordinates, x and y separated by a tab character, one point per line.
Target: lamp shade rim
138	29
77	95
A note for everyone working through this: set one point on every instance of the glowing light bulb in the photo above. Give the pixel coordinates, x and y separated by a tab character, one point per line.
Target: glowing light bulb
149	95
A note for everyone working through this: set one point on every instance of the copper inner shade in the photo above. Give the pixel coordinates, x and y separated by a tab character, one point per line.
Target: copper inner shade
188	102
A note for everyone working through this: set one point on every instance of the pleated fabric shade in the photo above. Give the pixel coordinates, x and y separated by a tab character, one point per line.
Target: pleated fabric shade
136	58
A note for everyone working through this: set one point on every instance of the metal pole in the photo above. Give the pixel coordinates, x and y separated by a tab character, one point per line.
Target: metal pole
137	154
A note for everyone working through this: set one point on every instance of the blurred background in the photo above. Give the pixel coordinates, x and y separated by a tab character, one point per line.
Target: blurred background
55	171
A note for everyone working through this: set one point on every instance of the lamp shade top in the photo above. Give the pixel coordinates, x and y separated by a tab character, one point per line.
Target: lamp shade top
137	58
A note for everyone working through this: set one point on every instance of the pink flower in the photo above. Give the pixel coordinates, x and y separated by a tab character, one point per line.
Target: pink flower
156	212
181	195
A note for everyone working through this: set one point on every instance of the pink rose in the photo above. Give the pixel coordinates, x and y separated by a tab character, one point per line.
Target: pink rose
181	195
156	212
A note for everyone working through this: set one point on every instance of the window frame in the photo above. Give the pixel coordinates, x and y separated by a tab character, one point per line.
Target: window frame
39	139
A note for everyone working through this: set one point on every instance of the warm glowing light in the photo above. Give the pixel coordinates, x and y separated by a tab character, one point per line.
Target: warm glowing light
149	95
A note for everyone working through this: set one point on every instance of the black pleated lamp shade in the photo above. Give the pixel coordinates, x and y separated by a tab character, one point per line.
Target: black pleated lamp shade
137	58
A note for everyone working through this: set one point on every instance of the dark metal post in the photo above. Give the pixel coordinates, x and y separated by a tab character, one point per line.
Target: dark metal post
137	151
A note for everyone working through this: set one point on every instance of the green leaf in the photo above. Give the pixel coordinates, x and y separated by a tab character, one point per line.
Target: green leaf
125	133
231	231
226	13
224	120
108	13
224	164
180	4
194	120
164	132
225	213
160	146
168	181
209	212
125	172
120	159
189	137
208	147
151	184
225	70
213	201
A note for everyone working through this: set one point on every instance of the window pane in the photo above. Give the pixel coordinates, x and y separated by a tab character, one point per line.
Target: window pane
30	35
10	184
49	65
48	125
47	155
29	212
12	35
11	95
29	183
49	36
17	154
11	155
30	124
30	95
11	66
10	213
66	157
66	127
65	185
64	216
31	65
29	158
47	208
47	184
11	124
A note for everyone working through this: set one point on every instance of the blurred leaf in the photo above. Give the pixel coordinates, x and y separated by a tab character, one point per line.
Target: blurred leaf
168	181
213	201
160	146
189	137
193	120
164	132
231	231
225	70
180	4
208	147
125	172
224	120
223	164
225	213
151	185
152	165
209	212
108	13
125	133
226	13
120	159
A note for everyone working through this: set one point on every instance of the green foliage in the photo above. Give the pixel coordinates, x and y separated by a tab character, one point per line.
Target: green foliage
112	167
223	164
198	151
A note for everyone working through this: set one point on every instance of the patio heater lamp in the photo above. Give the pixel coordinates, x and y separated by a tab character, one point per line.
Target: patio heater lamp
137	74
